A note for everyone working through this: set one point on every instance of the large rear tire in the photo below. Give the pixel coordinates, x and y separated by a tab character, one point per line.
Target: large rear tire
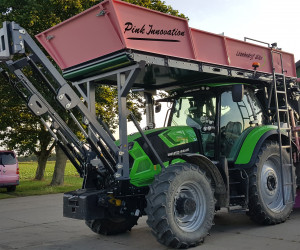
112	226
180	206
266	194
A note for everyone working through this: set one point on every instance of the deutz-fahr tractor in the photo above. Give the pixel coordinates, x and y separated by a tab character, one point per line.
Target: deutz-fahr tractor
230	136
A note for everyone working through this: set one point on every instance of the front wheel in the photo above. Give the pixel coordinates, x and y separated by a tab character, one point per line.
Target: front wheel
266	194
180	206
112	226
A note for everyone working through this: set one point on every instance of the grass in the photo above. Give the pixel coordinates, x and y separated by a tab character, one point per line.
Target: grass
28	186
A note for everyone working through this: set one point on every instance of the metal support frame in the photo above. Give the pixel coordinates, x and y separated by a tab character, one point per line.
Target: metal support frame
116	159
39	106
217	70
14	41
66	95
123	166
150	121
89	96
125	79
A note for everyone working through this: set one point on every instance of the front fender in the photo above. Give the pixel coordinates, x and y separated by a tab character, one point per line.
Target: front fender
212	171
209	167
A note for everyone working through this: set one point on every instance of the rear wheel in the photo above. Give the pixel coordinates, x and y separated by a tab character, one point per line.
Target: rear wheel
266	204
180	206
111	226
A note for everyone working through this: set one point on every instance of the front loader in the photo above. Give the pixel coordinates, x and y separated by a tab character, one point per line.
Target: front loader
230	138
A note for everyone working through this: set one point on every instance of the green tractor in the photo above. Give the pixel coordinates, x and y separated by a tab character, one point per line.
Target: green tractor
230	138
217	151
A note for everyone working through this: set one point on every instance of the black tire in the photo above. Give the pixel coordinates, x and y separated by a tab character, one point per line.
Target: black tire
112	226
265	194
180	206
11	188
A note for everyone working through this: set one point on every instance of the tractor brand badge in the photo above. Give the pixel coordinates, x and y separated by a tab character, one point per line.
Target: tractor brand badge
179	152
150	29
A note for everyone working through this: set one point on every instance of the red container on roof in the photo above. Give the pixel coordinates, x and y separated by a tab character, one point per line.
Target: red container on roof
217	49
113	25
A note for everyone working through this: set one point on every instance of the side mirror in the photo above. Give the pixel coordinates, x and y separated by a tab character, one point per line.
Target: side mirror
237	92
157	107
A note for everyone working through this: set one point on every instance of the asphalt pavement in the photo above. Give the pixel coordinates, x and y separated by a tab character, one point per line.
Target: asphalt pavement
36	222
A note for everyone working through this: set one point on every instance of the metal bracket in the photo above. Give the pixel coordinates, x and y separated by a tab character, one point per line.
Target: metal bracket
67	97
11	41
36	105
101	13
4	43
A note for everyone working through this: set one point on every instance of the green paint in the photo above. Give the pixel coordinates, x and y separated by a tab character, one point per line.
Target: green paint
250	142
143	171
98	68
238	143
176	136
172	136
137	135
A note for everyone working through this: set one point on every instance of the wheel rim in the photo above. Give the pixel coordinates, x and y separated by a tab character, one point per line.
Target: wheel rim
189	206
271	189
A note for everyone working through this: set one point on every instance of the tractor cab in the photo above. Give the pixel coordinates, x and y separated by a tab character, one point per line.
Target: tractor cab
220	122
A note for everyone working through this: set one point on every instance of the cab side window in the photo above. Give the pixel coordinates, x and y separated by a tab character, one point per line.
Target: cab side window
197	110
236	117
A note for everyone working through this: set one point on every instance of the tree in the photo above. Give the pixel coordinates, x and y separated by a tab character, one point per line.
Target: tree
59	169
157	5
36	16
21	130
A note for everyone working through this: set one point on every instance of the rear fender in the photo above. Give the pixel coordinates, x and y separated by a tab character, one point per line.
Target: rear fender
247	155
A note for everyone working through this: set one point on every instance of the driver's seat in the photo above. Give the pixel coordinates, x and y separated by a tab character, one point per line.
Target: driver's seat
232	132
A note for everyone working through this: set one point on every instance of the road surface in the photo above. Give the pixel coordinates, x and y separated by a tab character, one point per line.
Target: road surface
36	222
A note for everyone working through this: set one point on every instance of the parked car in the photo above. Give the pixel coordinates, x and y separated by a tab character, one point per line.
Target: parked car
9	170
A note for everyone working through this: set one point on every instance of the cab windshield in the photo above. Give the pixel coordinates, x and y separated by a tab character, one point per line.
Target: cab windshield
198	110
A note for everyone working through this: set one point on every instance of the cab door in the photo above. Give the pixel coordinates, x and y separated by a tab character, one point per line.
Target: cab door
197	110
236	119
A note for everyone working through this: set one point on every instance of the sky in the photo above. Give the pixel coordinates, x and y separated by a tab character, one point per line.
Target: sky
265	20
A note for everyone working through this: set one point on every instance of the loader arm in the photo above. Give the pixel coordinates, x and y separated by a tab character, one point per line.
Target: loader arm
99	150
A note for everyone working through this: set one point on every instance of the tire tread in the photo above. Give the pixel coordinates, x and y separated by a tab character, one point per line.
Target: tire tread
157	222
